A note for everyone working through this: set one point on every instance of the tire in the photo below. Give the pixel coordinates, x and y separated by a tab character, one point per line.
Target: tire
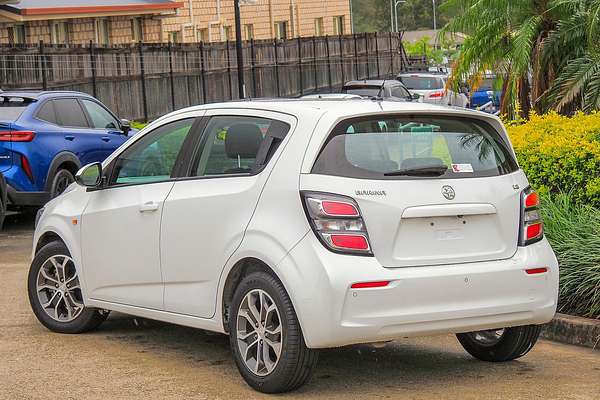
62	300
61	180
513	343
295	363
2	211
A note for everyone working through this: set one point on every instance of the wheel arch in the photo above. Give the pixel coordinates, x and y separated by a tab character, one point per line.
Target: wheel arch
63	160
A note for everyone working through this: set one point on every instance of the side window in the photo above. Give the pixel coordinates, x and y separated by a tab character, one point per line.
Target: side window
400	92
152	158
234	144
46	113
69	113
100	118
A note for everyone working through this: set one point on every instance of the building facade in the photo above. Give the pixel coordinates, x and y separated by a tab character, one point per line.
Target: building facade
116	22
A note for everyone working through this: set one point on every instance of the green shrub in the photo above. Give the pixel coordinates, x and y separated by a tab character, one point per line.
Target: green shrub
574	232
138	125
561	153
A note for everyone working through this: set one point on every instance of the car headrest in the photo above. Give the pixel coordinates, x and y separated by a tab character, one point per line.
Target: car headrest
243	141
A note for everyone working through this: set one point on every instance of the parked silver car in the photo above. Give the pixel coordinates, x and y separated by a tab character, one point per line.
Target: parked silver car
431	87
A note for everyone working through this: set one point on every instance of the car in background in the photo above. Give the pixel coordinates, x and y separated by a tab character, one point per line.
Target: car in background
431	87
46	136
2	200
485	93
384	89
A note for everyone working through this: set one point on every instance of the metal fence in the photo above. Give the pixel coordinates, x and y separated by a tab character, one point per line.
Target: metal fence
145	81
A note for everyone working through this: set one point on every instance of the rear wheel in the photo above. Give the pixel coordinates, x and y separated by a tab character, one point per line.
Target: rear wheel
499	345
55	292
266	338
2	211
61	182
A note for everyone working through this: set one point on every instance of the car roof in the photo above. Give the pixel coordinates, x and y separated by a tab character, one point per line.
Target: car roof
373	82
424	74
42	94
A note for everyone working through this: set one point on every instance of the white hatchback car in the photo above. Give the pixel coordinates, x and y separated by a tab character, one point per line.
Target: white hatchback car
304	224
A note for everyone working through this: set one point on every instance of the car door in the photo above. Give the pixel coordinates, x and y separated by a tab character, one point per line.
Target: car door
105	124
121	222
206	214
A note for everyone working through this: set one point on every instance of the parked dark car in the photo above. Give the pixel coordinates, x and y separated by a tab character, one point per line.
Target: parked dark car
45	137
386	89
2	200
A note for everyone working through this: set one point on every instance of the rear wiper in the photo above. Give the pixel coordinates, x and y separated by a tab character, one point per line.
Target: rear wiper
437	170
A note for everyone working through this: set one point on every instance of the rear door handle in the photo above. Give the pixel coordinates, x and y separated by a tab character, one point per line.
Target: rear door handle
105	139
69	137
149	206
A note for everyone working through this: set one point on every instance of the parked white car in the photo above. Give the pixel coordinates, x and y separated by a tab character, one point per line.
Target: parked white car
299	225
432	88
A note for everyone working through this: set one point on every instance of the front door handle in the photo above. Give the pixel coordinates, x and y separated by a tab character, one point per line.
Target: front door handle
105	139
149	206
69	137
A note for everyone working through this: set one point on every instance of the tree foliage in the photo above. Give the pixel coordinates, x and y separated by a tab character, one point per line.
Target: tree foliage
374	15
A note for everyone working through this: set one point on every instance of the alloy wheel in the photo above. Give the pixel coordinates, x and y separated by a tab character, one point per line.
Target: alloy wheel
259	332
58	289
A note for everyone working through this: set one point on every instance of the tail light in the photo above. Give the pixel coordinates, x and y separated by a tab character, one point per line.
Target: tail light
337	222
436	95
16	136
532	226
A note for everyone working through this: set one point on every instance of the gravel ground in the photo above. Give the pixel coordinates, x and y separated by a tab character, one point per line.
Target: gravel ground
134	358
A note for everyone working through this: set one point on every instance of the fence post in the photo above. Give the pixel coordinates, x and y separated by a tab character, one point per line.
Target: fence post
300	65
143	79
229	70
276	67
93	65
391	55
377	53
355	57
42	66
328	64
341	58
314	46
253	66
367	55
202	73
171	79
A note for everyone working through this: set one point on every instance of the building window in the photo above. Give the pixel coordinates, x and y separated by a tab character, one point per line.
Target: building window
137	29
16	34
203	35
281	30
227	33
318	26
102	32
338	25
248	31
174	36
59	33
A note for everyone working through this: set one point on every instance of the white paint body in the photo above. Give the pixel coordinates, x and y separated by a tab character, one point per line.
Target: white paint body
164	251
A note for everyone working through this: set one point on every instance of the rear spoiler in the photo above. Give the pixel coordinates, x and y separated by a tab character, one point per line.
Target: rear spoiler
5	98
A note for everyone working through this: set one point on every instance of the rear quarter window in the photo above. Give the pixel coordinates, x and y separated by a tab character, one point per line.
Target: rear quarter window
380	148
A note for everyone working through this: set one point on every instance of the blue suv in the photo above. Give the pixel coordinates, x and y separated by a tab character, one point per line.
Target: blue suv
45	137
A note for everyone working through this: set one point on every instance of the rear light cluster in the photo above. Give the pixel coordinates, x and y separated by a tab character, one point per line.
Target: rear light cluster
436	95
16	136
531	227
337	222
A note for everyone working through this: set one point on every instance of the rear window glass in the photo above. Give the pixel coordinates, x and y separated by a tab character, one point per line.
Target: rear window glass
422	82
414	147
11	108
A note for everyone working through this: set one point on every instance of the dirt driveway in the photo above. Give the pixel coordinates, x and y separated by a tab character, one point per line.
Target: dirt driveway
133	358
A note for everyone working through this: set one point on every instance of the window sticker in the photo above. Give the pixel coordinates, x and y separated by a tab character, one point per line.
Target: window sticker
461	168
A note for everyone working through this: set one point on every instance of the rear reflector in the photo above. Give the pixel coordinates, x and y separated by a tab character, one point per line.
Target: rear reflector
26	167
368	285
16	136
534	271
350	242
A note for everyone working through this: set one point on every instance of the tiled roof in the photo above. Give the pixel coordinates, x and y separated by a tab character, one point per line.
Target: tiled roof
45	7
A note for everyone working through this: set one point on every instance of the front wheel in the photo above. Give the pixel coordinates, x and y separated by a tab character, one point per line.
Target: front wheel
266	338
497	345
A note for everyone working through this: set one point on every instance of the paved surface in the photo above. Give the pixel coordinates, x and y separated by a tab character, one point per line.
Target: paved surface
134	358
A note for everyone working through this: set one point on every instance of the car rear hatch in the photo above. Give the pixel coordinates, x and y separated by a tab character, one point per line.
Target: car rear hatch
430	189
11	108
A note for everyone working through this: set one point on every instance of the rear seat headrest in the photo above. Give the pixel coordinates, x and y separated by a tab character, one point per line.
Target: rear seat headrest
243	141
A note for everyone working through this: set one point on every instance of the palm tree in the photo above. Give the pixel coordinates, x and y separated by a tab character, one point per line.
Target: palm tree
505	36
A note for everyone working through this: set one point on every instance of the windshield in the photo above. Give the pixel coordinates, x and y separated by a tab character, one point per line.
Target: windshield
372	91
422	82
388	147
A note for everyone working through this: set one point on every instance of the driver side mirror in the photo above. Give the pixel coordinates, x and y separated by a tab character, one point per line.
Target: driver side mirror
90	176
125	126
415	97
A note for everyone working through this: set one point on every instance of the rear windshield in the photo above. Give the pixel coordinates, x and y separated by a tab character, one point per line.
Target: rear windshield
414	147
422	82
373	91
11	108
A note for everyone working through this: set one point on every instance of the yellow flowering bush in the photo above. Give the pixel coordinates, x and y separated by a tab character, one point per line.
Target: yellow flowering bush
560	154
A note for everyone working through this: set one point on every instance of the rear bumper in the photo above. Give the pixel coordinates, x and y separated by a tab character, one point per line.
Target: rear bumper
27	199
418	300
